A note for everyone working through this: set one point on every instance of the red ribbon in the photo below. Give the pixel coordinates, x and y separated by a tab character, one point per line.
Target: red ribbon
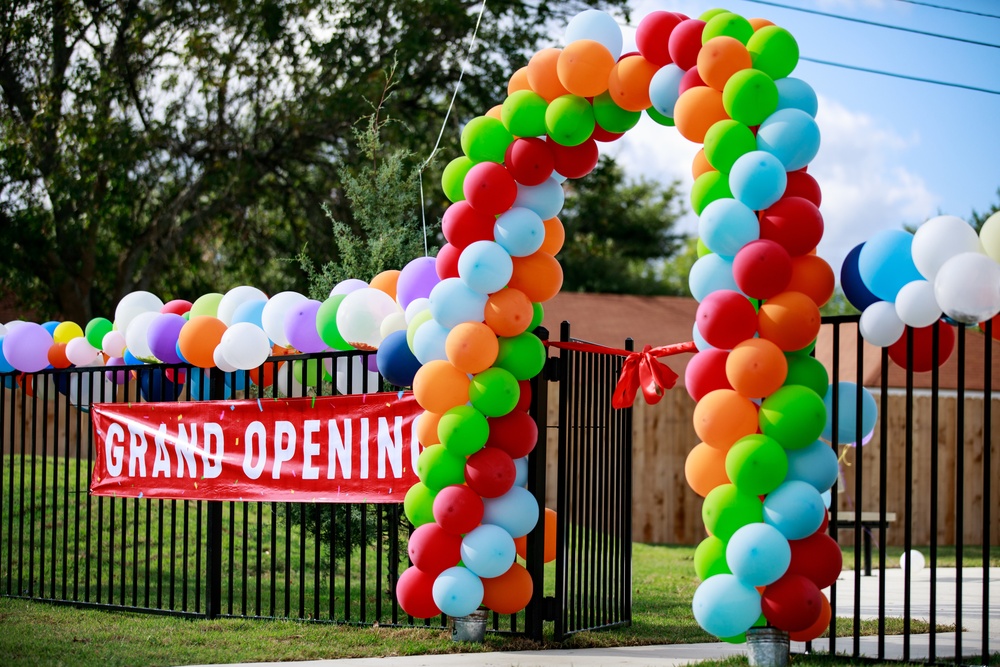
641	369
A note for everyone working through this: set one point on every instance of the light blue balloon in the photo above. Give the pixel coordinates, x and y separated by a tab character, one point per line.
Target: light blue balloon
51	327
485	267
726	225
815	464
791	135
5	366
429	342
796	94
520	231
249	311
457	591
515	511
598	26
237	380
711	273
724	606
545	199
699	340
758	554
848	419
488	551
201	386
453	302
557	177
827	498
521	471
664	89
758	179
794	508
885	263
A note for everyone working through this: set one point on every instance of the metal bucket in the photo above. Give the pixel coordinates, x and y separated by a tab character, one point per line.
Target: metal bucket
767	647
471	628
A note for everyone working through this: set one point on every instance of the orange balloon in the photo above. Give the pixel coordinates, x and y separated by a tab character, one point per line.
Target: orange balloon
812	276
518	81
427	428
438	386
720	58
555	236
821	625
757	24
543	75
700	165
722	417
538	275
628	83
583	67
791	320
696	110
386	282
705	469
472	347
549	535
756	368
509	312
263	375
57	356
510	592
198	339
494	112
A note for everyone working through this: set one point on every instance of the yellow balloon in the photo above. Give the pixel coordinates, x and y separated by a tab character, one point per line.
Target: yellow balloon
67	331
990	236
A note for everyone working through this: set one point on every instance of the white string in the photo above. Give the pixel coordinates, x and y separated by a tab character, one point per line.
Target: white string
444	123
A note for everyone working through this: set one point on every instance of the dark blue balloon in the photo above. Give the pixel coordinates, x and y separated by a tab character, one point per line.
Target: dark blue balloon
850	281
395	361
154	386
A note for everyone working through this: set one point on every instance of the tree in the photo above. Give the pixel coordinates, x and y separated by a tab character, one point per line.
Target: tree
978	219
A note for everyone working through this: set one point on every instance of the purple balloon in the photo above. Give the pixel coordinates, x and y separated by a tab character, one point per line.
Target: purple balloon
26	347
161	336
300	327
348	286
416	280
118	377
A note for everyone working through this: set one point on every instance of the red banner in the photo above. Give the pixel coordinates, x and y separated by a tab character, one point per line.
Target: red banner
340	449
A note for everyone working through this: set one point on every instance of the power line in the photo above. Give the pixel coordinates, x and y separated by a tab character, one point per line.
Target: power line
901	76
950	9
876	24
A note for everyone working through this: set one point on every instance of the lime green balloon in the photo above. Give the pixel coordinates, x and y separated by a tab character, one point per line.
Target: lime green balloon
206	304
808	349
307	373
326	323
438	467
523	355
569	120
97	329
707	188
727	509
418	504
485	139
463	430
794	416
659	117
808	372
702	249
727	24
750	96
709	14
453	178
726	141
538	314
494	392
756	464
773	51
612	117
415	323
523	114
710	558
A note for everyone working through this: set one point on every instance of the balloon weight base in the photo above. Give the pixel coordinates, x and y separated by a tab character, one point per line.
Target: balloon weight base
471	628
767	647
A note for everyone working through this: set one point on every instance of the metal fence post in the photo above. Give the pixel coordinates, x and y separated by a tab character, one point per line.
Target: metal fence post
535	615
213	545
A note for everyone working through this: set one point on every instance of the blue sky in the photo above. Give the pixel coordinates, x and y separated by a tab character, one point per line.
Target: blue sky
894	152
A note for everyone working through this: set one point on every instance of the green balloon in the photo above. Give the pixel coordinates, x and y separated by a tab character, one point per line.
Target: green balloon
707	188
808	372
794	416
659	117
306	373
96	330
411	328
538	315
727	24
773	51
726	141
453	178
756	464
463	430
710	558
742	637
808	349
418	504
727	509
438	467
612	117
207	304
750	96
569	120
523	355
494	392
702	249
485	139
326	323
523	114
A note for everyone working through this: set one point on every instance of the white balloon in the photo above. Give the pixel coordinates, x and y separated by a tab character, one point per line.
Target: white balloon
916	305
967	288
285	380
113	344
938	240
235	298
394	322
989	235
348	286
87	387
880	325
3	329
80	352
416	307
135	336
134	304
220	360
360	317
245	346
913	558
273	315
356	383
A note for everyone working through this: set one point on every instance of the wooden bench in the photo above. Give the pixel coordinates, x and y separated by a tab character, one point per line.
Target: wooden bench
869	520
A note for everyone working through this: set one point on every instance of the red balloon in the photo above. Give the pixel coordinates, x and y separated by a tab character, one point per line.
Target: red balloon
515	433
817	558
463	225
602	135
792	603
793	222
652	37
574	161
433	549
801	184
821	625
529	161
706	372
490	472
524	400
489	188
826	522
923	347
691	79
685	43
726	318
414	591
457	509
446	263
762	269
177	307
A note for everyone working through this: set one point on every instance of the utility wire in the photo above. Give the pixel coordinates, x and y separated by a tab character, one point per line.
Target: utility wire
901	76
876	24
950	9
